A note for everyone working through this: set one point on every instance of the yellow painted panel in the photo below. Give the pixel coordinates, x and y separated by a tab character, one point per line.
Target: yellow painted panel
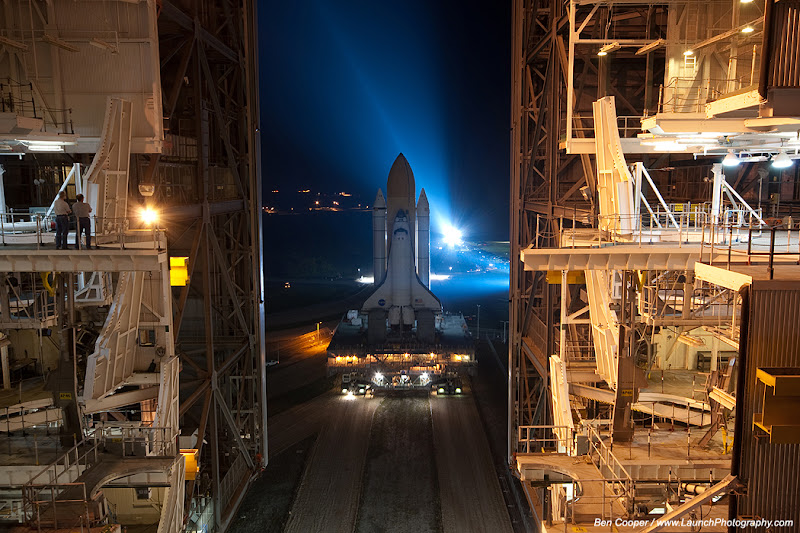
190	457
574	277
178	271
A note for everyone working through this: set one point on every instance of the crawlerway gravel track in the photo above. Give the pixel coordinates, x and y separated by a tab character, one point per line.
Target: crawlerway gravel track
393	464
400	481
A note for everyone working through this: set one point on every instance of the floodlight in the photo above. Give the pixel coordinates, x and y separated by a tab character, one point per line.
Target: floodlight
610	47
452	236
149	216
730	160
781	160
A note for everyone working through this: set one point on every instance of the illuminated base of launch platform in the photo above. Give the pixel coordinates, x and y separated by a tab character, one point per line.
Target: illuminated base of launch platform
402	359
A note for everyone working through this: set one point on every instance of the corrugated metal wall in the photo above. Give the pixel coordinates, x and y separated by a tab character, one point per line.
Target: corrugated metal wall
770	471
785	38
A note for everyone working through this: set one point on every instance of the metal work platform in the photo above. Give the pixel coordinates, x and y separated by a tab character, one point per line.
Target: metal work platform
16	259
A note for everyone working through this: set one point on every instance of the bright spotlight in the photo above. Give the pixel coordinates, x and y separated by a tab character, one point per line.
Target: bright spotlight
730	160
378	376
425	376
149	216
452	236
781	160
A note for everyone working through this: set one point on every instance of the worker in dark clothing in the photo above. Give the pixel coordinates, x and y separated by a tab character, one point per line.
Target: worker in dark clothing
82	210
62	211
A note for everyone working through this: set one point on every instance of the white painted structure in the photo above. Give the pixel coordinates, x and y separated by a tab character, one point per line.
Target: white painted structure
402	292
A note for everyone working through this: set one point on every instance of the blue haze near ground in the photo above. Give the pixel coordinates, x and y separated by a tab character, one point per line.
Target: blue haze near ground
322	252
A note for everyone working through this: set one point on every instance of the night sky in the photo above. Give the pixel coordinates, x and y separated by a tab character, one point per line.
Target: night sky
346	85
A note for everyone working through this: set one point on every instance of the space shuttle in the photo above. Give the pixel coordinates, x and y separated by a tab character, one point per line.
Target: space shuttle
402	301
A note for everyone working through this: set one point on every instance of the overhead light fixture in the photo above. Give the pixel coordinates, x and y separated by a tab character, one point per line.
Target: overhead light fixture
103	45
730	160
748	29
13	44
610	47
781	160
45	148
691	340
49	39
655	45
746	1
689	53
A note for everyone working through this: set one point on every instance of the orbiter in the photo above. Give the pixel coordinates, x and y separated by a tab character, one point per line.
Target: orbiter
401	241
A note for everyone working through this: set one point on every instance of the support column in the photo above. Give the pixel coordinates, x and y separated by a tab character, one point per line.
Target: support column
563	327
716	196
626	393
6	369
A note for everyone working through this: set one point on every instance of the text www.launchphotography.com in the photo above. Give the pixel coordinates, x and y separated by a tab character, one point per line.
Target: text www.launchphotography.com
686	522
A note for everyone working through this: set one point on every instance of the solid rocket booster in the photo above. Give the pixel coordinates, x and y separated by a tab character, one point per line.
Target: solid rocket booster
378	238
424	239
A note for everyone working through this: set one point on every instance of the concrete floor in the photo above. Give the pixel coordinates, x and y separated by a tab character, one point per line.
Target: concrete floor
26	391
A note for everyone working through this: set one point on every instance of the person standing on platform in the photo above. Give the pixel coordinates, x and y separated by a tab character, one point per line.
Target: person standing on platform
62	211
82	210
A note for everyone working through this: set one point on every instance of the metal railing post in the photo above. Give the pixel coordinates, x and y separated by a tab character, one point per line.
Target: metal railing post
713	238
771	253
702	241
730	245
55	511
86	506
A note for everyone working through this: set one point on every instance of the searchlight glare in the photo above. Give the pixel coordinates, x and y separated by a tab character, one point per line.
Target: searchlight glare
781	160
730	160
452	236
